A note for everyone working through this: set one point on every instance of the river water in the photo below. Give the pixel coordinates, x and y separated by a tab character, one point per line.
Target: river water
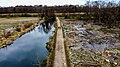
29	49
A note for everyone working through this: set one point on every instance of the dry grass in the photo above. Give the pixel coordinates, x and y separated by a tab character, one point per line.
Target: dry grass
9	28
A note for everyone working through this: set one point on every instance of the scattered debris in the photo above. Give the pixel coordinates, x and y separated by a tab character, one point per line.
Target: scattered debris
89	42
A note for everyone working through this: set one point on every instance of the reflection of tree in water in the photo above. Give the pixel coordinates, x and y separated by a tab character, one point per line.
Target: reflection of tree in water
45	27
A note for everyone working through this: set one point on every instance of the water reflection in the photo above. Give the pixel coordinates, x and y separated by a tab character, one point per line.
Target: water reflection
29	49
46	27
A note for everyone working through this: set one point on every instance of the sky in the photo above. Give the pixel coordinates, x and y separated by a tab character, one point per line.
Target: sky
7	3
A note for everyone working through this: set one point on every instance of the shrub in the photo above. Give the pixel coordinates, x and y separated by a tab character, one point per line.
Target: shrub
19	29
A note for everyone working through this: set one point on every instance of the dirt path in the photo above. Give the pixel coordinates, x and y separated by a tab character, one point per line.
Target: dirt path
60	58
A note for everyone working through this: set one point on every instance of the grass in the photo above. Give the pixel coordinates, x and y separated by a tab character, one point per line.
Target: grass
66	49
118	48
20	15
67	53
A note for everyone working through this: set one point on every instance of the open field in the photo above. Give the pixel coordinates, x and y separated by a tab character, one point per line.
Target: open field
91	44
8	15
11	28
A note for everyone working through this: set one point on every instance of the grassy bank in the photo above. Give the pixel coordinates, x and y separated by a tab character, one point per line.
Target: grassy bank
66	49
18	28
51	47
67	53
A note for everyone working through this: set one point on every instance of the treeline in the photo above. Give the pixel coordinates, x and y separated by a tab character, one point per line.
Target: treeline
107	13
41	9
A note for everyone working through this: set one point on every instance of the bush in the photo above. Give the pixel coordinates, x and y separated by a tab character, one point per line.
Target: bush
19	29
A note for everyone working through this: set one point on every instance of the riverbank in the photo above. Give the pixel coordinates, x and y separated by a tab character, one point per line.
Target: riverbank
51	48
17	32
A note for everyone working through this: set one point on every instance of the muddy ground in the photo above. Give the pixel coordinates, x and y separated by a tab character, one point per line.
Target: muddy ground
92	45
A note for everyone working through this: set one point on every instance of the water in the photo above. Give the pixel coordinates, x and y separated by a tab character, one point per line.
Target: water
92	41
28	50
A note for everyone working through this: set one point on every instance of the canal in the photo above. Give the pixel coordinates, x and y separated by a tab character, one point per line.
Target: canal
29	49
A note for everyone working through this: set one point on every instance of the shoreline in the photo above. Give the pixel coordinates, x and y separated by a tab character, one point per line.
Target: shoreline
51	48
8	41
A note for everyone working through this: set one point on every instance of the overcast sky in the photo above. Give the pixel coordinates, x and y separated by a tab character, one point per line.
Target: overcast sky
6	3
